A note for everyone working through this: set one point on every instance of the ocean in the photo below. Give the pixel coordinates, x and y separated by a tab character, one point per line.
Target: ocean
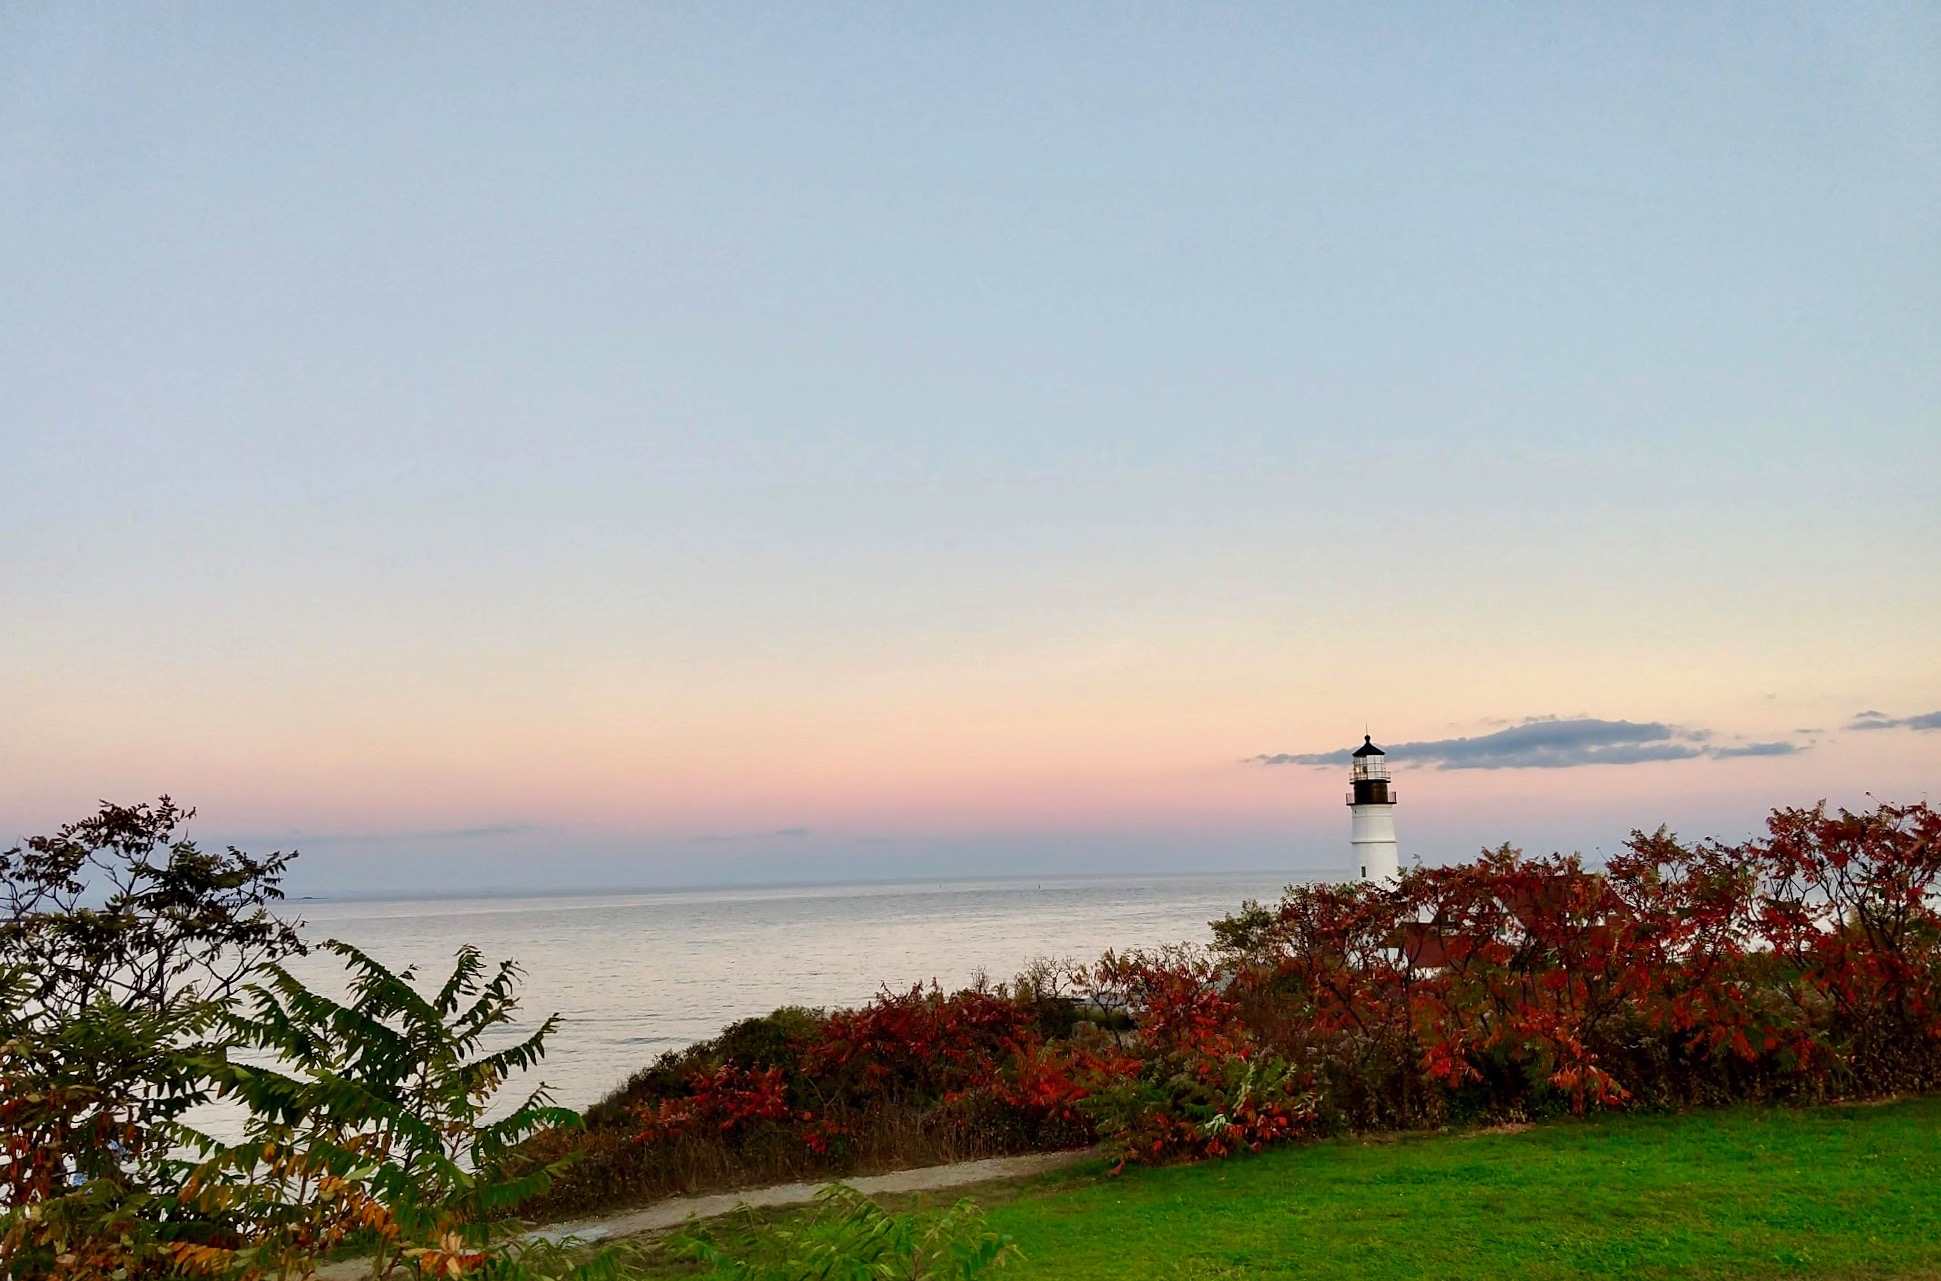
633	975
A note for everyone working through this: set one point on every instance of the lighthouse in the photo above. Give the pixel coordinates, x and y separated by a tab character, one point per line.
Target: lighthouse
1371	802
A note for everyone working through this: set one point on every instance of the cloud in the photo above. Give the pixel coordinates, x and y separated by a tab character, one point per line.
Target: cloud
1549	742
1781	748
467	833
785	833
485	832
1880	720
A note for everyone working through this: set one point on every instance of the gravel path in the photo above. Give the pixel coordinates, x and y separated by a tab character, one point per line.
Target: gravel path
671	1213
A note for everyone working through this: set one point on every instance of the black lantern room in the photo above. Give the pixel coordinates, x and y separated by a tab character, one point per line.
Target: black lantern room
1369	775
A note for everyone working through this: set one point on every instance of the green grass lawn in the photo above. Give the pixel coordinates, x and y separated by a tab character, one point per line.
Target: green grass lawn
1745	1193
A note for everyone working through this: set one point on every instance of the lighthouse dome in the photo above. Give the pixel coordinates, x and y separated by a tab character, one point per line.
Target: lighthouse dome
1368	748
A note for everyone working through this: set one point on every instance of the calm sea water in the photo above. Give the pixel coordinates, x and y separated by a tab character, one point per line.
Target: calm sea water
633	975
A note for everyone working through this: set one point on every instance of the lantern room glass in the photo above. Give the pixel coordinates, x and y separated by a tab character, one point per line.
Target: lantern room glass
1369	767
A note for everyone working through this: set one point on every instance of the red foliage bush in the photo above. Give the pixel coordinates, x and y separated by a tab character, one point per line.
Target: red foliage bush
917	1044
1190	1081
722	1103
1802	965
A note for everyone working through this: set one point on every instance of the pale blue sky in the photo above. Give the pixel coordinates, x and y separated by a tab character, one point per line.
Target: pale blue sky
952	428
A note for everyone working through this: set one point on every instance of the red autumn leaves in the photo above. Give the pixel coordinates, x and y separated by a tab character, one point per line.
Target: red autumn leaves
1803	965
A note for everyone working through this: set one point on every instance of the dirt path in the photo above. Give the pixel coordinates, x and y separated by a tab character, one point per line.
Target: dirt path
673	1212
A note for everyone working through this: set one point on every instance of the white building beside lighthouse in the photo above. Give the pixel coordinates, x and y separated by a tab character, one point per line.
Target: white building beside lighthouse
1371	803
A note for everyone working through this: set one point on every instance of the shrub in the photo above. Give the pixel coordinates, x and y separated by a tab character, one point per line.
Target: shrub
377	1122
121	942
914	1077
1800	965
848	1237
122	957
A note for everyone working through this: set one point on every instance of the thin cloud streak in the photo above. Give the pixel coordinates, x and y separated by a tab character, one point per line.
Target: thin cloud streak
780	833
314	839
1779	748
1880	720
1555	743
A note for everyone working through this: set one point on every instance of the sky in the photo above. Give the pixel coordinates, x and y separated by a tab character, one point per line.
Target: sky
556	447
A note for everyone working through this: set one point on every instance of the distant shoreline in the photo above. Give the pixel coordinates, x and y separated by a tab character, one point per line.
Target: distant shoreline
782	887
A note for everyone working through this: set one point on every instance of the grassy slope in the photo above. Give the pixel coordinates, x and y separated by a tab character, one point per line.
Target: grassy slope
1833	1191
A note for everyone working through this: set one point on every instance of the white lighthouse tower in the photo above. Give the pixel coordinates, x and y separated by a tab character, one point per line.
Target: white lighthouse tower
1372	803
